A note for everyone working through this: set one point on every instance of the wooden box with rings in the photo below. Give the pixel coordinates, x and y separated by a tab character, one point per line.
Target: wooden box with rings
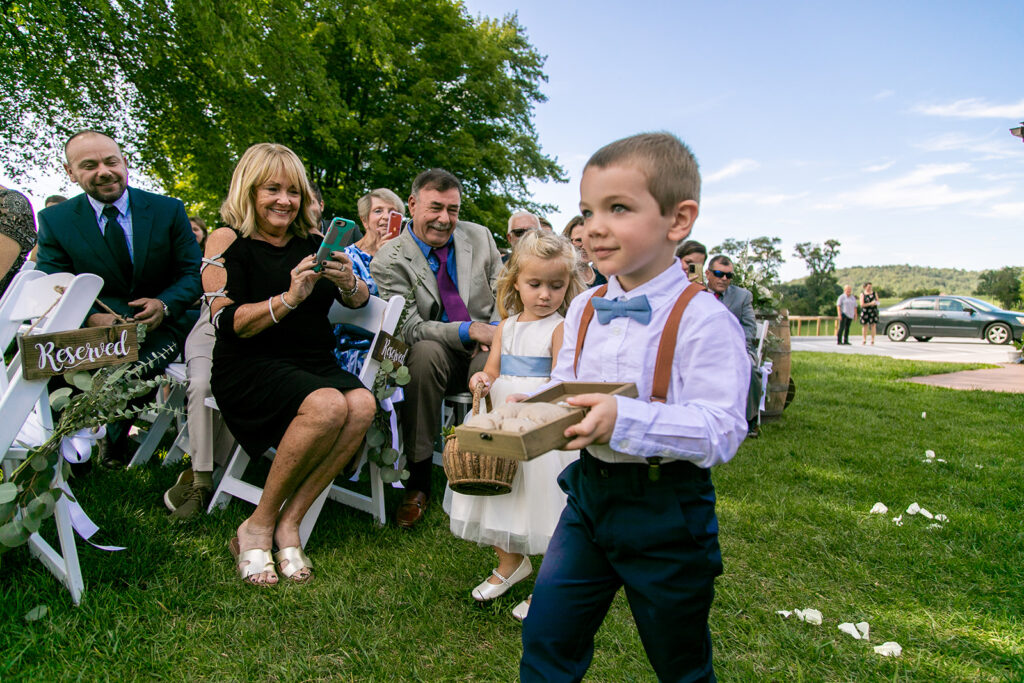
526	430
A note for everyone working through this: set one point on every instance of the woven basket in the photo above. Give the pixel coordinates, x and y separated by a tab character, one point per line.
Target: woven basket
473	474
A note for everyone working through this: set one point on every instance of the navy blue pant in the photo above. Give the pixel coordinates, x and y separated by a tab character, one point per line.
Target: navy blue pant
659	539
843	331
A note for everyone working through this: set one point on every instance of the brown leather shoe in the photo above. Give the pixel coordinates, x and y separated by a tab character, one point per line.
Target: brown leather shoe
412	508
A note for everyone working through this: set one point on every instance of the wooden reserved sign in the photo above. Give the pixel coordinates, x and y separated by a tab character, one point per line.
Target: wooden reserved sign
46	355
389	347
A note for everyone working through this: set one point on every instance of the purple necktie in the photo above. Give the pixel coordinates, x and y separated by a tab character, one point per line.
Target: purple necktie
453	304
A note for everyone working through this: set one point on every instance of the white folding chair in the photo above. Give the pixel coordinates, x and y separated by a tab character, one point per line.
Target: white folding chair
168	414
377	316
34	295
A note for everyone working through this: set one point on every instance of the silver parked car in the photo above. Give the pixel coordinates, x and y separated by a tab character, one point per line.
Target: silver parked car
925	317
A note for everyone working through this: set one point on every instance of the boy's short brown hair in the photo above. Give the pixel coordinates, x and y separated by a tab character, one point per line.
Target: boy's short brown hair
670	167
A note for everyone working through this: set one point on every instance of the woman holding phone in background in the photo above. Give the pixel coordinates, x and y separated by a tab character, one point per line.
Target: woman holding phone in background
274	377
375	213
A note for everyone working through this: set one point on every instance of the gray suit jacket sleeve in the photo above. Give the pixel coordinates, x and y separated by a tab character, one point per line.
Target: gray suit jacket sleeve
741	303
400	268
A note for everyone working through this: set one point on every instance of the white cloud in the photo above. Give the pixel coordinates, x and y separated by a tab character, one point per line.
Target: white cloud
752	198
733	168
883	94
920	189
879	167
1010	210
974	108
986	149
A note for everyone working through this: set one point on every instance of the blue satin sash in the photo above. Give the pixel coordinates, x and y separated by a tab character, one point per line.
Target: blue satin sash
526	366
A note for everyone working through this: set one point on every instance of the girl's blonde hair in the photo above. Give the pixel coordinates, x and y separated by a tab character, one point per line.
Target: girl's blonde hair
540	244
260	163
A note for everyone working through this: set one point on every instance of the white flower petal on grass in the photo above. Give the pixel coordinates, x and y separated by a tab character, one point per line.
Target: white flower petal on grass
889	649
784	612
941	518
925	513
848	627
864	629
898	520
929	454
939	460
979	466
927	461
879	509
924	415
913	509
934	526
811	616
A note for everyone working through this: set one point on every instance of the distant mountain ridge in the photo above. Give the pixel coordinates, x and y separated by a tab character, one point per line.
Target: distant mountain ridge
901	279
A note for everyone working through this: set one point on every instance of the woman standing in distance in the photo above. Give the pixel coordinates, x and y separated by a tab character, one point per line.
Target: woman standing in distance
868	313
274	377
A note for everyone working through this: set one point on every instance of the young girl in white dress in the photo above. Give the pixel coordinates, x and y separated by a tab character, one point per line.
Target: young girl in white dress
539	280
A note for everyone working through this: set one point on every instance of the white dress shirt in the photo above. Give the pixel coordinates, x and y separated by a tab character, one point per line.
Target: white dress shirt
704	418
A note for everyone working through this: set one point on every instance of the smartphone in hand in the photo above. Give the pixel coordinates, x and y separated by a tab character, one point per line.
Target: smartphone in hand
394	225
695	273
334	240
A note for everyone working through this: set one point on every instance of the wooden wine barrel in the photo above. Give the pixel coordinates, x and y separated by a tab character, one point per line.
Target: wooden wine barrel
778	382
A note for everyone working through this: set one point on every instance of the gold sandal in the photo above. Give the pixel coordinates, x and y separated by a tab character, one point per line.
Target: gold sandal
251	563
297	561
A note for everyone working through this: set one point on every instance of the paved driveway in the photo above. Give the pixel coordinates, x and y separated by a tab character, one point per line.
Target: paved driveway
949	350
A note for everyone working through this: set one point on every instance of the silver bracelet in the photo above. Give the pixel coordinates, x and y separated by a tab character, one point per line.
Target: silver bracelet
270	307
286	304
350	292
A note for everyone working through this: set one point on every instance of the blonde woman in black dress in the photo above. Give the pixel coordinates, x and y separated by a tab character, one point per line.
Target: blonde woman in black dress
274	375
868	313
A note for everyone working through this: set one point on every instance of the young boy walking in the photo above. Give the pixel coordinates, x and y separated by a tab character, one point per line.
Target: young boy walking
641	505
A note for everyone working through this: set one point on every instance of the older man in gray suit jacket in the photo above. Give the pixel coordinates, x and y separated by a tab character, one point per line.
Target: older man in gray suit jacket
740	301
446	269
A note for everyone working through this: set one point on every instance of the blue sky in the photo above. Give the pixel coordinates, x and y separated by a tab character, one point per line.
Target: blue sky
883	125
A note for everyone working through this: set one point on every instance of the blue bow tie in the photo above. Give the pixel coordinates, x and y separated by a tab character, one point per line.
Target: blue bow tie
637	308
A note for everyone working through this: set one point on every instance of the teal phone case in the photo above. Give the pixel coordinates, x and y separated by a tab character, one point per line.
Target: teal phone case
336	232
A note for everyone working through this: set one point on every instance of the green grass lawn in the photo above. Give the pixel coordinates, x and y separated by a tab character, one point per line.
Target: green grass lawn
393	605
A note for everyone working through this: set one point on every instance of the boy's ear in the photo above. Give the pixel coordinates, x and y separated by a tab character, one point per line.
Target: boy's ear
683	217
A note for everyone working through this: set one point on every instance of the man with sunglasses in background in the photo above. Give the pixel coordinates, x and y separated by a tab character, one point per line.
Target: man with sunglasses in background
518	224
740	302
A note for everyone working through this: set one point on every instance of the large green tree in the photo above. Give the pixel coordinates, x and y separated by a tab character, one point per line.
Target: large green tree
817	296
1003	285
368	94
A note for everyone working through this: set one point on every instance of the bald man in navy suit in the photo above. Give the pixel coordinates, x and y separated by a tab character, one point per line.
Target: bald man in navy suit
140	243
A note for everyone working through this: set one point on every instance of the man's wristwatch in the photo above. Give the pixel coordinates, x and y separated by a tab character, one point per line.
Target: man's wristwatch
167	311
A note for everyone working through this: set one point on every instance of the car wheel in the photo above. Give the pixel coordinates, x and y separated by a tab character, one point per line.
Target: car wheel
998	333
923	339
897	332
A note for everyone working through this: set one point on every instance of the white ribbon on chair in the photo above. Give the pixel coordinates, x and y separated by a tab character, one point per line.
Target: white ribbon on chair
766	369
76	448
388	404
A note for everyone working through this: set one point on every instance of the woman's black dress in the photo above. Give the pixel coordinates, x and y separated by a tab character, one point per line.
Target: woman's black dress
869	314
261	381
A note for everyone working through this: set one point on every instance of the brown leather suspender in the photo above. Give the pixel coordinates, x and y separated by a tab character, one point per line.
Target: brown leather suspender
666	347
588	315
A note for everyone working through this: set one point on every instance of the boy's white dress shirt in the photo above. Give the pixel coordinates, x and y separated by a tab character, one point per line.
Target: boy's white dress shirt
704	418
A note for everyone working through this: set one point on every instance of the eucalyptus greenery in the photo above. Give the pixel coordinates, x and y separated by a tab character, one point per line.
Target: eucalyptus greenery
378	436
28	496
